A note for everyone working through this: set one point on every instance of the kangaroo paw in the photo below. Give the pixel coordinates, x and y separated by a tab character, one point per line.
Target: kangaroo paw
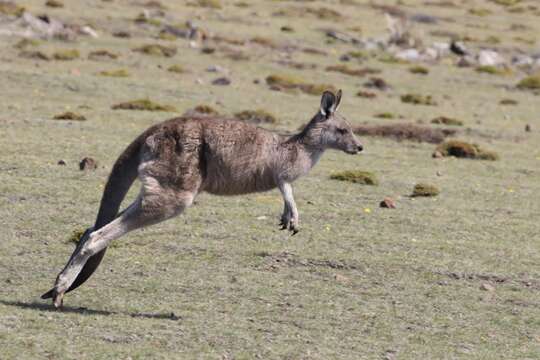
58	300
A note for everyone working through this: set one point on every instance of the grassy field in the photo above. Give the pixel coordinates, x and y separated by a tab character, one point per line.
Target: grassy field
456	276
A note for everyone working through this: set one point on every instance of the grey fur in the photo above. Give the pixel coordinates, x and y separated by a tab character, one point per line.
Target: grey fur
179	158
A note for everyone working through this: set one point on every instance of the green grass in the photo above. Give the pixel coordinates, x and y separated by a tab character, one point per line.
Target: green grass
221	281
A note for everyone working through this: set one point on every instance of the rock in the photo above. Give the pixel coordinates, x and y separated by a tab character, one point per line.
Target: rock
466	61
341	279
408	55
458	48
487	287
377	83
490	58
387	203
424	19
437	155
221	81
217	69
88	164
527	128
61	162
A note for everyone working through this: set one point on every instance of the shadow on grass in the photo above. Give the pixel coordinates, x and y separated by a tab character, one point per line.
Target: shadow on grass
86	311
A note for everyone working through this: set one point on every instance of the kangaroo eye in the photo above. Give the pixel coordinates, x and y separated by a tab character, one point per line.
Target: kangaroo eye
342	131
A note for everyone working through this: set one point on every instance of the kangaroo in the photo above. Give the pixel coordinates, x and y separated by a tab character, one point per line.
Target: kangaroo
179	158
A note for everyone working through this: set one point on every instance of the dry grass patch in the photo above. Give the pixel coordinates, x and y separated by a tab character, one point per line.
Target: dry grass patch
405	131
69	115
493	70
256	117
286	82
34	54
462	149
143	105
508	102
344	69
421	70
24	43
356	176
115	73
443	120
157	50
530	83
417	99
102	54
179	69
54	4
66	55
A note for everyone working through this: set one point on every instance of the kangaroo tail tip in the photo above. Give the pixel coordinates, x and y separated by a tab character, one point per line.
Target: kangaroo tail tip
48	294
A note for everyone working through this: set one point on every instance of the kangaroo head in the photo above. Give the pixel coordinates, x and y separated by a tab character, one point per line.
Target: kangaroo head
331	130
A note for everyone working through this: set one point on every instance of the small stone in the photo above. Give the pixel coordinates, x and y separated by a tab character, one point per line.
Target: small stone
527	128
388	203
437	155
341	279
221	81
487	287
88	164
61	162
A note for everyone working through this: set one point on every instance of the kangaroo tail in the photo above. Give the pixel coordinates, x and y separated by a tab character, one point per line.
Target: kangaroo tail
123	174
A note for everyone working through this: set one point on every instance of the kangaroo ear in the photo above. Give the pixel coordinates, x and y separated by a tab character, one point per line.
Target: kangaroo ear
328	104
338	99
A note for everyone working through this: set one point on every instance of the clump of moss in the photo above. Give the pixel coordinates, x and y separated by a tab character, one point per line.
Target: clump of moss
76	236
425	190
115	73
419	70
69	115
391	59
508	102
385	115
344	69
39	55
256	116
10	8
157	50
54	4
493	70
530	83
142	18
418	99
24	43
444	120
280	82
480	12
461	149
356	176
66	55
144	105
506	2
176	69
213	4
100	54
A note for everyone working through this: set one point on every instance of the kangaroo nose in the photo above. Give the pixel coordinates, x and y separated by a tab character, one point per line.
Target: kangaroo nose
360	148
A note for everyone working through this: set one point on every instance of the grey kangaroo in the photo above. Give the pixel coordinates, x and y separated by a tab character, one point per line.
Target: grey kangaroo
179	158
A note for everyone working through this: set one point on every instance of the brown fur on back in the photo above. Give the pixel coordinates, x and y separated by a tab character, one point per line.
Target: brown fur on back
231	156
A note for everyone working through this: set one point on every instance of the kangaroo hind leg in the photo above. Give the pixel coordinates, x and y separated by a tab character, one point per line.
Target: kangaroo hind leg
154	204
